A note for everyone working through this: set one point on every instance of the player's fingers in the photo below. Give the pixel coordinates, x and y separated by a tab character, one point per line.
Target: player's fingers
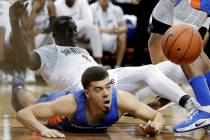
152	124
46	135
60	135
52	134
142	127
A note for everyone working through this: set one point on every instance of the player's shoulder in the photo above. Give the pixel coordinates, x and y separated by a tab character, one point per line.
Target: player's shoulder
48	50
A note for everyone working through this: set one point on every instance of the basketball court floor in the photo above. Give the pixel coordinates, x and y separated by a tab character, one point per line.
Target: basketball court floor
125	129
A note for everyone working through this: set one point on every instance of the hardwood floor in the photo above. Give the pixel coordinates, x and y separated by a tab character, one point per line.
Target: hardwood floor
125	129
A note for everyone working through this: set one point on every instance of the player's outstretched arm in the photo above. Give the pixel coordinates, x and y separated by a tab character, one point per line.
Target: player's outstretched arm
24	57
129	104
30	116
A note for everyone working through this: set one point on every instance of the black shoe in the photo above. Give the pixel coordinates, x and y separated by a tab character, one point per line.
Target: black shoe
17	83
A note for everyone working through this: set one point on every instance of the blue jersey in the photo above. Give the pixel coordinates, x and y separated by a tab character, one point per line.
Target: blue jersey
203	5
79	119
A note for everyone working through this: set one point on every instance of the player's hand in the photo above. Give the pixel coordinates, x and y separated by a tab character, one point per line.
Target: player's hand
17	10
52	133
149	129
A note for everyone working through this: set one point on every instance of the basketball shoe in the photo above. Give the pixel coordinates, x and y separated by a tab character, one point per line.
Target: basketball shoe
17	83
199	119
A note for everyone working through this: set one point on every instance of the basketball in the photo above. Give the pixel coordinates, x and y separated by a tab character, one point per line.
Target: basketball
182	44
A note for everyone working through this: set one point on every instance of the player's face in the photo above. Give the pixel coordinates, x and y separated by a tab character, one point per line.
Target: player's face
100	94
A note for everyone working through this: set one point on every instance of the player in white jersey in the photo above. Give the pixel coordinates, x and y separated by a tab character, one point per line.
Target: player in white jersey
62	64
198	73
81	13
109	18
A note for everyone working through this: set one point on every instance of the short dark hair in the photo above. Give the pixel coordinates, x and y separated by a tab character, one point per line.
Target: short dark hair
95	73
64	26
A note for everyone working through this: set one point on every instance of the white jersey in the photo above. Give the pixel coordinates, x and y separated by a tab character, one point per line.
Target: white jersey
4	18
62	67
166	10
184	12
80	12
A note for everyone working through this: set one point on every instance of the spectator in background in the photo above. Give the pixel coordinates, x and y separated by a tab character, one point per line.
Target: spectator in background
37	22
5	28
142	9
81	13
109	19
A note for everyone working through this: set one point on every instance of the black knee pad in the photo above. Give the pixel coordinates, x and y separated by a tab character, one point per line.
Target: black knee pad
202	31
209	24
159	27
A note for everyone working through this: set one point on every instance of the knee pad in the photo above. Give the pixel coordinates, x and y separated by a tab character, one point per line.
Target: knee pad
202	31
159	27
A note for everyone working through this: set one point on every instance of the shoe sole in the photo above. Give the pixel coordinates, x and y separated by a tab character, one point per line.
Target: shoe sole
205	126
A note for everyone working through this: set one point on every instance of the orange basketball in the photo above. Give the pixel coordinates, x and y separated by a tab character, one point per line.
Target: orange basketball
182	44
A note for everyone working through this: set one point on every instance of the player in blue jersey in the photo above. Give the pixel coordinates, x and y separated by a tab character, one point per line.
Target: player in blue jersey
95	108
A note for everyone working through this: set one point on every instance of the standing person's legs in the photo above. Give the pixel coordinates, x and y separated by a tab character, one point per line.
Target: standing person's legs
155	49
121	46
198	82
162	19
206	66
199	79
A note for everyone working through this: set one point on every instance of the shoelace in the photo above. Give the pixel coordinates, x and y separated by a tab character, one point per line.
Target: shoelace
193	114
194	110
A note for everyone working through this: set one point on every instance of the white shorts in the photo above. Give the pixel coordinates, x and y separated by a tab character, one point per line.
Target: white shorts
109	42
130	79
133	79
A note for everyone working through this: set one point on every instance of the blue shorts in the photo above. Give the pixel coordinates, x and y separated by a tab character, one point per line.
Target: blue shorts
51	96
